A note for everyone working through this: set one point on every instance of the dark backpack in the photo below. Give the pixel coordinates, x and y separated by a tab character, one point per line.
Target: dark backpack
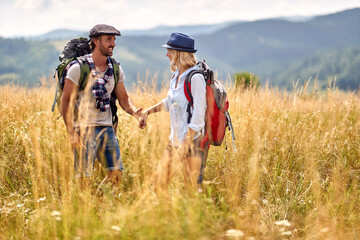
217	117
75	49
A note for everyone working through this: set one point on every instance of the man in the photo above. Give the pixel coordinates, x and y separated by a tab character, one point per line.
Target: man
91	134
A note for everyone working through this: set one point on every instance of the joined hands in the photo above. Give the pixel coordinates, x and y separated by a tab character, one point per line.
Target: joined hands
142	117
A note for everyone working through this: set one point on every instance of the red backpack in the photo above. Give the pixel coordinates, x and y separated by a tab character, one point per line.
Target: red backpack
217	117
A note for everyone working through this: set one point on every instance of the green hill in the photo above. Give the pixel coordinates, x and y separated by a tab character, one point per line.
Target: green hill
25	62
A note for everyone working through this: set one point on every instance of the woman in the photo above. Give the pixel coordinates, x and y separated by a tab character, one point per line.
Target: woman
184	145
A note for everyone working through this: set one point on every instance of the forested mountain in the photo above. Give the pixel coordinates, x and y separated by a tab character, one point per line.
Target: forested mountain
277	50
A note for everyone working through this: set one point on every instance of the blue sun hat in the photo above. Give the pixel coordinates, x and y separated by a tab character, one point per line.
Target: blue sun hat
180	42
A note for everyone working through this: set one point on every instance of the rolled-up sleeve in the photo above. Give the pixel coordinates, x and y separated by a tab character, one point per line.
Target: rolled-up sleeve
198	91
165	101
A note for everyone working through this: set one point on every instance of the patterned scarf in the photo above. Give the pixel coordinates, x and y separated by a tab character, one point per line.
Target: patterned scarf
99	91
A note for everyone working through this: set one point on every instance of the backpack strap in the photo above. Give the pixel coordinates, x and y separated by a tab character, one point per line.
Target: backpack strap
230	126
187	91
61	72
113	107
116	67
84	72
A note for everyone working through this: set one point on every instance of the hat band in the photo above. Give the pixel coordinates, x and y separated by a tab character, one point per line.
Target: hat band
178	46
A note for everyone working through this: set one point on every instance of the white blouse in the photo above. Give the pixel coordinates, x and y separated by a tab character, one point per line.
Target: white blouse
176	104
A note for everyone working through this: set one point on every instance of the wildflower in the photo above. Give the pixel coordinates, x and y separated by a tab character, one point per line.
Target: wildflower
116	228
242	213
324	230
288	233
234	233
5	210
284	223
55	213
41	199
19	205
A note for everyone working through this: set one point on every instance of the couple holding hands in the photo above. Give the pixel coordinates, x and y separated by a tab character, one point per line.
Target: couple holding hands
92	134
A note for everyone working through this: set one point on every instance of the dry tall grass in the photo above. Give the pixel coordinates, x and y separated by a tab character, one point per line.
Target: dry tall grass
295	174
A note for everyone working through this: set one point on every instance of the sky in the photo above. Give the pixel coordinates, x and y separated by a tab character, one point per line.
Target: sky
35	17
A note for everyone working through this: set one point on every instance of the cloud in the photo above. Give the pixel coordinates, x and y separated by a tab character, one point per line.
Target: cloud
32	4
32	17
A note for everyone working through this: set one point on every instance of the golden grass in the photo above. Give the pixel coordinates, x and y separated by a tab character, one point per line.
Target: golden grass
295	174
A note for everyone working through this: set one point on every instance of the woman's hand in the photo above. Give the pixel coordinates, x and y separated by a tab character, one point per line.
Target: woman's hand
142	119
183	149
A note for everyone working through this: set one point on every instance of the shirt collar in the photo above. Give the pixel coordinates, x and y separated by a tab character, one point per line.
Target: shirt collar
176	73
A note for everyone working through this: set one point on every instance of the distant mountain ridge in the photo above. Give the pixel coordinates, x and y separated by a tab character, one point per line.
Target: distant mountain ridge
57	34
189	29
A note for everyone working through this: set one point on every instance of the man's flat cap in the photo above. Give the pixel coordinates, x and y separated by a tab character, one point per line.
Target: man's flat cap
103	29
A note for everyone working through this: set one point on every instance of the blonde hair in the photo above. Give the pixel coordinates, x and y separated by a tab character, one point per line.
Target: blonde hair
182	60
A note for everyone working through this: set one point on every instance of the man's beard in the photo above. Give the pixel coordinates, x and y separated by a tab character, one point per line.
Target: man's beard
104	51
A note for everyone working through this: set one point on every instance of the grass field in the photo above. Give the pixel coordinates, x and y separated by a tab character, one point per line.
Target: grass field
295	174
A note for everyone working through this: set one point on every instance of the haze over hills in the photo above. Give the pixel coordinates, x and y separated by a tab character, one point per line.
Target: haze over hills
156	31
270	48
163	30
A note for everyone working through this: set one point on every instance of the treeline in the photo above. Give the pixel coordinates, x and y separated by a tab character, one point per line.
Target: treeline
341	65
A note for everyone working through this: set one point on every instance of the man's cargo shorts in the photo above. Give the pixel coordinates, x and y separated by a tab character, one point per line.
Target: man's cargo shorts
97	142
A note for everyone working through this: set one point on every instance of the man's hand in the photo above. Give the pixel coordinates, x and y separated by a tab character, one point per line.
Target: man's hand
75	140
138	113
